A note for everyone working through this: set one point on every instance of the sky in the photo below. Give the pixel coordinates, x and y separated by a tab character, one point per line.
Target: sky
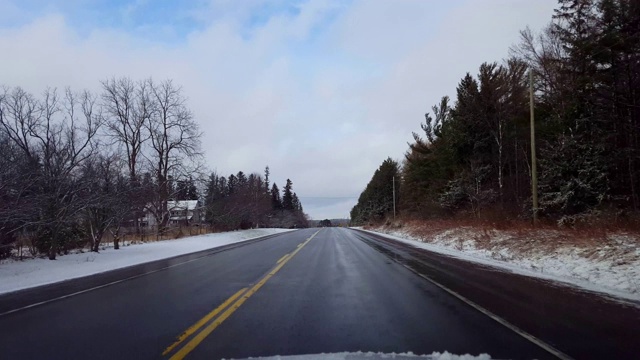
320	91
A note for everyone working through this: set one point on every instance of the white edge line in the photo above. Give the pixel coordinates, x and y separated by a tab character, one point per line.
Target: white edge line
559	354
117	281
611	294
95	287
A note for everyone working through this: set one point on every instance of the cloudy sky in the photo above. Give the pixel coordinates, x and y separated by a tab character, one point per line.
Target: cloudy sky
321	91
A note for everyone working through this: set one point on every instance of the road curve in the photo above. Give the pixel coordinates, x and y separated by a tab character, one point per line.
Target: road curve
304	292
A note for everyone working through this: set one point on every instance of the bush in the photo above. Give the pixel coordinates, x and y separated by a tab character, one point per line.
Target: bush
6	244
5	251
69	237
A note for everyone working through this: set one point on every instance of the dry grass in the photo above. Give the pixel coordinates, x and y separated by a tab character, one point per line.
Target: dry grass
24	247
606	255
169	234
519	236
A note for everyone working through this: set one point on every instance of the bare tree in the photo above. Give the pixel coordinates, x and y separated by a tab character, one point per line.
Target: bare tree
127	107
55	136
104	198
19	166
174	141
543	53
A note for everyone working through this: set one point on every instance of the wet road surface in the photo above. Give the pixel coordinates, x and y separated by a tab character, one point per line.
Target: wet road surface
304	292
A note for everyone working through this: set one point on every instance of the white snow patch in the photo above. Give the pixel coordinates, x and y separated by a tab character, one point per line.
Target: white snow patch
377	355
610	269
17	275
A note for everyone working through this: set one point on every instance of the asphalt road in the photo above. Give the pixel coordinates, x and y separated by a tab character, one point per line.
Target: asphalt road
305	292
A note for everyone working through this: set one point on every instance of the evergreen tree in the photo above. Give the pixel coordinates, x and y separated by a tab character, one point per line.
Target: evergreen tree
241	179
212	194
186	190
287	196
267	172
276	202
232	184
296	203
376	201
475	154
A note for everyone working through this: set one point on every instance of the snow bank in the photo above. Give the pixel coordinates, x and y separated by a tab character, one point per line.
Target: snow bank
17	275
612	268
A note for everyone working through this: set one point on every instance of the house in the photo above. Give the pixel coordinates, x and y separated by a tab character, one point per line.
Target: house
181	212
184	212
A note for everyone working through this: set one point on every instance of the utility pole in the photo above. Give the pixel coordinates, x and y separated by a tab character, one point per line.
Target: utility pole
394	197
534	166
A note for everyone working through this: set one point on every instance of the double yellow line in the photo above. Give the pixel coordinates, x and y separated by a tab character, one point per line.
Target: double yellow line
240	297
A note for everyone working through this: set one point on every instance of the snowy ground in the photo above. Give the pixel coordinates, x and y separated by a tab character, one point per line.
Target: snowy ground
611	267
17	275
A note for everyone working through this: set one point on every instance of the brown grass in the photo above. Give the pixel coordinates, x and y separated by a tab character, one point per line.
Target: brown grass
169	234
521	237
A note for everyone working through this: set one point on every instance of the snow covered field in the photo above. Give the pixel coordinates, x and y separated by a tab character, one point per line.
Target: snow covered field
17	275
611	267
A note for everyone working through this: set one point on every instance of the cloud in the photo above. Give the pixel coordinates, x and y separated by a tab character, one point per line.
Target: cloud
322	92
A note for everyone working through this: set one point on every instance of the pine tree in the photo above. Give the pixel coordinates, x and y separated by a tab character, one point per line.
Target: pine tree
296	203
242	179
276	202
475	154
376	201
232	184
266	180
287	196
186	190
212	193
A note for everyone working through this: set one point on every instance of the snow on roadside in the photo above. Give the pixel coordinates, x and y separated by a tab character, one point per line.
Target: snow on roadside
17	275
612	268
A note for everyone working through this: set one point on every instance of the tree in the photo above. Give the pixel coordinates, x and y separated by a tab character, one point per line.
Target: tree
186	189
128	106
287	196
55	136
175	143
242	180
267	172
13	177
100	176
376	201
241	203
297	206
276	201
232	184
64	183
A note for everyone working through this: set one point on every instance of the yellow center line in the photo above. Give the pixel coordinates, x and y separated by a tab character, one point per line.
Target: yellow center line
196	340
195	327
282	258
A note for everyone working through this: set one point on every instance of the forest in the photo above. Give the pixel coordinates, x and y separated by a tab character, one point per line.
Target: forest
472	158
79	167
241	202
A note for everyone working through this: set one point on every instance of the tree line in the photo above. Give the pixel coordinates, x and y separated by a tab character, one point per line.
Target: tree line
473	158
79	166
241	202
376	201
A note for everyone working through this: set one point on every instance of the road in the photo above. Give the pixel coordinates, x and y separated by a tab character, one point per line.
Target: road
306	292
